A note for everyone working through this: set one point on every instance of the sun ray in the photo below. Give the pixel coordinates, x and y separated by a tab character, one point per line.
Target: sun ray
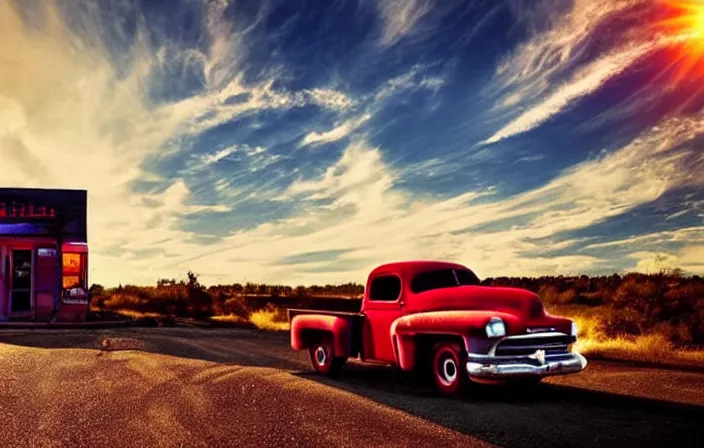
684	22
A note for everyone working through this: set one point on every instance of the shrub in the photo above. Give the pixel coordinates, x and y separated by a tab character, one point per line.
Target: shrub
236	306
268	320
619	322
552	295
668	304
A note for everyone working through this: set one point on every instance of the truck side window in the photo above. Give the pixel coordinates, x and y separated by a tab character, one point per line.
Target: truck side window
386	288
467	277
426	281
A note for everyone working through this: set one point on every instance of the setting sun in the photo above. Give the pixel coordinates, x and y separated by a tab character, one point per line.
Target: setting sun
685	23
686	20
698	20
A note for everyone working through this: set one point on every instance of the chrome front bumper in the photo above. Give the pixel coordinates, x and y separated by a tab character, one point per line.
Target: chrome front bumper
484	366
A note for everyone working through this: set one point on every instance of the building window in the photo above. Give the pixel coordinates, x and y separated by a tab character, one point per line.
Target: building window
74	270
385	289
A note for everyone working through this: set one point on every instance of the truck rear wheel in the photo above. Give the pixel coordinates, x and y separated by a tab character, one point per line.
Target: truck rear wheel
448	369
323	360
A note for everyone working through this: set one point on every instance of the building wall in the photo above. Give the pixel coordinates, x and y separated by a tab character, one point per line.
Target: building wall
44	218
46	288
3	281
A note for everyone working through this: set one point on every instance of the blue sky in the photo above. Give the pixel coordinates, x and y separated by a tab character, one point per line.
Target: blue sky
303	142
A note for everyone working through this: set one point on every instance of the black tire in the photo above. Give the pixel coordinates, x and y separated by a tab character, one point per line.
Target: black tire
448	369
322	358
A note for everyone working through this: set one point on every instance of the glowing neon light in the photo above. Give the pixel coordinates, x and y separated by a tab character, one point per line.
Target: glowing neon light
23	228
14	209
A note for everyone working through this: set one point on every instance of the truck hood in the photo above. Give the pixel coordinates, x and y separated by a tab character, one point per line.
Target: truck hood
508	300
525	307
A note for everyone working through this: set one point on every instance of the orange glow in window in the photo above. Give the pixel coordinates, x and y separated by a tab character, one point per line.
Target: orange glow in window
73	270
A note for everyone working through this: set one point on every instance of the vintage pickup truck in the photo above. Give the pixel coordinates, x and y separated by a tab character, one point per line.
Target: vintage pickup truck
435	315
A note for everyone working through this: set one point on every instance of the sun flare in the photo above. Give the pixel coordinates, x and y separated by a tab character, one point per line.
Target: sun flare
685	23
685	18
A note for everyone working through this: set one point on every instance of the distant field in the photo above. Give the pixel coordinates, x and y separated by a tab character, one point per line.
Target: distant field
652	347
646	318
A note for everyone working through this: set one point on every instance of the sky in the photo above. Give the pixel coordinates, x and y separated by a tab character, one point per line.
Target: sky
306	142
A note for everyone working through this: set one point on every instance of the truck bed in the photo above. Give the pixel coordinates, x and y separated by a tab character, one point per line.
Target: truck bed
357	320
296	311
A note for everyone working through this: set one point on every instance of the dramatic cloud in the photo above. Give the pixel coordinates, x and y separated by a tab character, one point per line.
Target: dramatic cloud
689	259
361	198
586	81
535	73
235	152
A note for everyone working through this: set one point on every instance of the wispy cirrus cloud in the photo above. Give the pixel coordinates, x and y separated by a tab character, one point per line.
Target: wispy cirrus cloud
654	239
552	49
208	128
84	112
399	17
543	77
83	124
337	133
584	82
360	197
533	158
237	99
209	159
414	79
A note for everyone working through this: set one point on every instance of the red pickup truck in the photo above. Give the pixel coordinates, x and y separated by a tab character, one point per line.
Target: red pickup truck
436	316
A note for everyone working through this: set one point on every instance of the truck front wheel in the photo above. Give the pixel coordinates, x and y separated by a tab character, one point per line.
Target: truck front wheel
323	360
448	369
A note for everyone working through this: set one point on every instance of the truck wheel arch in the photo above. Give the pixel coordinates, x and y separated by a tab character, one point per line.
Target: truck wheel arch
417	333
307	330
426	343
412	349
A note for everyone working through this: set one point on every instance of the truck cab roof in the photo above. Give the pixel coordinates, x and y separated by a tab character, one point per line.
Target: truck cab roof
412	267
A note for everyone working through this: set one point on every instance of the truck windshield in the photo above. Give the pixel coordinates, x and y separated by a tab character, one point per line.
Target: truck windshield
443	278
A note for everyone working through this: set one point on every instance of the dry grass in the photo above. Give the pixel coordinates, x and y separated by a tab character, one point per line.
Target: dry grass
268	320
653	348
136	314
229	318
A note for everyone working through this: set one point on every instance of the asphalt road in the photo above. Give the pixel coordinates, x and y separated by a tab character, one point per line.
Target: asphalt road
221	387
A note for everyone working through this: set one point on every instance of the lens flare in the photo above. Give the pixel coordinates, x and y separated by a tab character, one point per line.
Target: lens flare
685	23
686	18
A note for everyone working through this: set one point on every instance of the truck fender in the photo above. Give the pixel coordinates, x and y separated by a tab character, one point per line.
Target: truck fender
306	327
404	350
448	323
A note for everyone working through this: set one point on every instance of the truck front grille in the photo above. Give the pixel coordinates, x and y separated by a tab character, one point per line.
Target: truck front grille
524	345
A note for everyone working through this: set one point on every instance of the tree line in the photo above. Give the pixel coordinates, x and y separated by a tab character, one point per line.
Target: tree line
641	301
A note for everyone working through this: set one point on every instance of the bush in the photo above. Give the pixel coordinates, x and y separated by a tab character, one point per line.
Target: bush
266	319
668	304
235	306
619	322
552	295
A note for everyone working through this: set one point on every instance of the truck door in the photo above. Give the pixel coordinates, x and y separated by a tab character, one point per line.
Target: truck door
384	305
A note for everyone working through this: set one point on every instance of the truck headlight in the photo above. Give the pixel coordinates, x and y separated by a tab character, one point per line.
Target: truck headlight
495	328
574	329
